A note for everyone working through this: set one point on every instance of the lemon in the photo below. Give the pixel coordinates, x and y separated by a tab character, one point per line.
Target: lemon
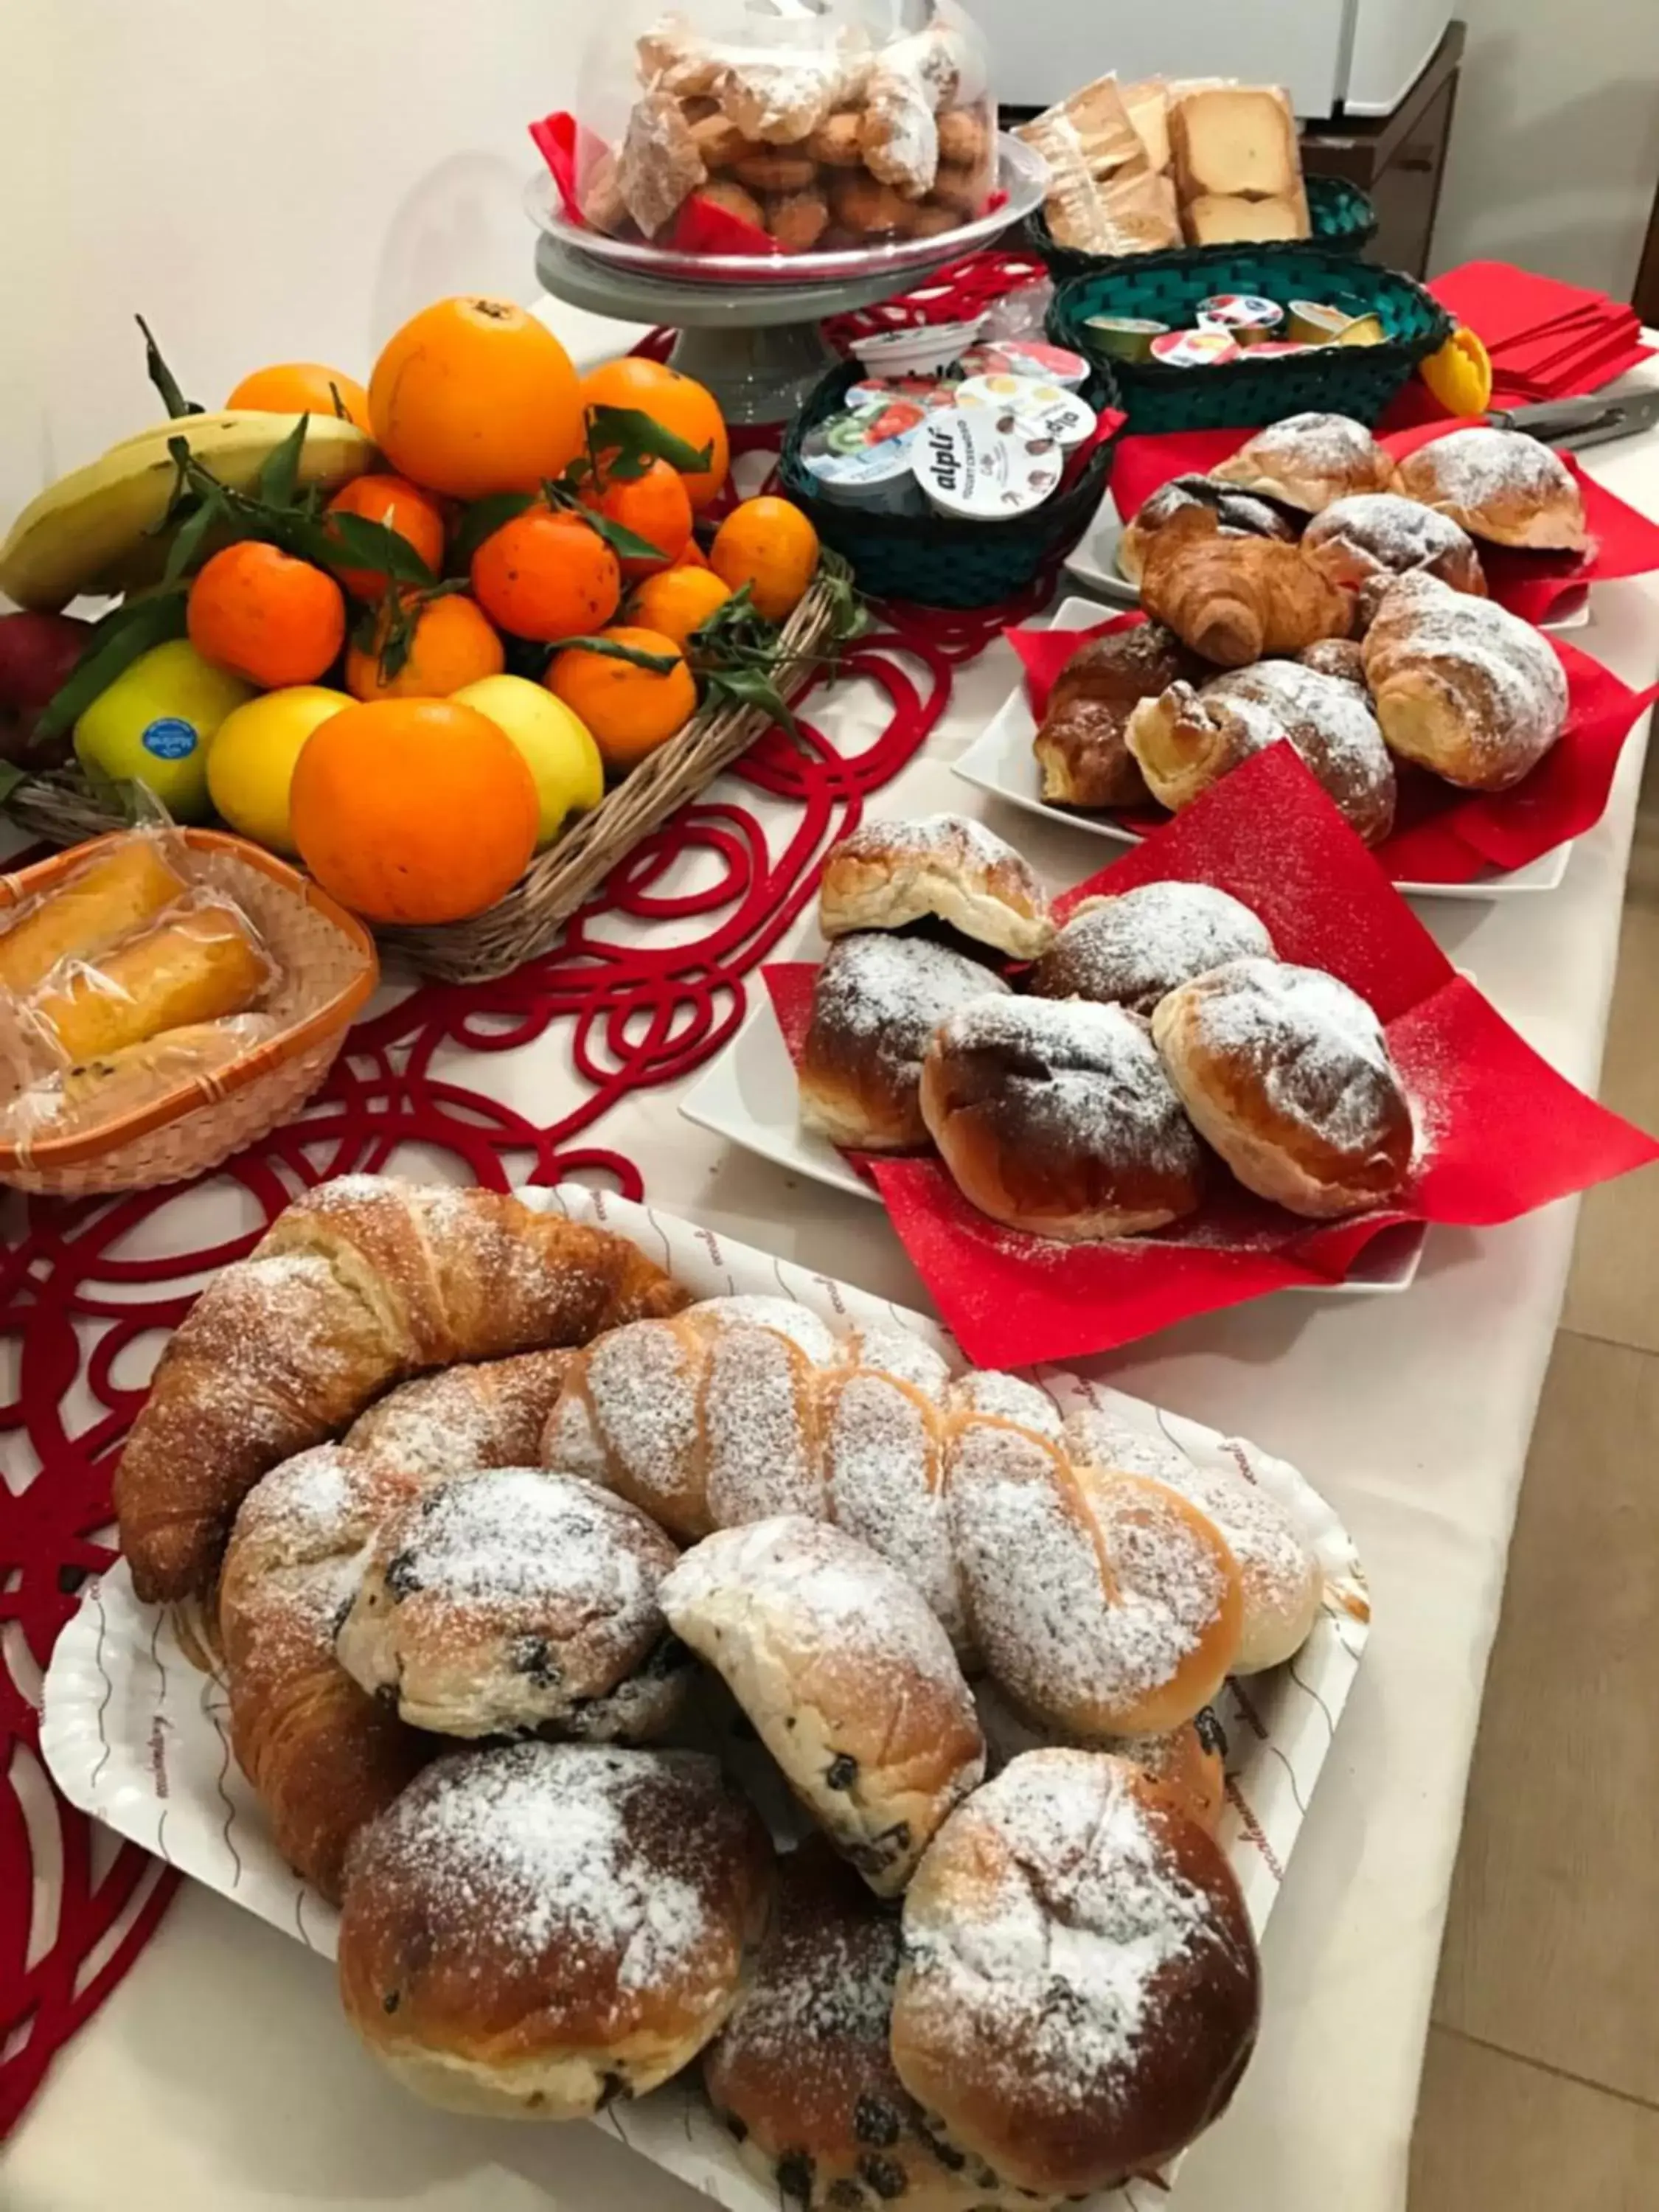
251	760
1460	375
557	746
154	724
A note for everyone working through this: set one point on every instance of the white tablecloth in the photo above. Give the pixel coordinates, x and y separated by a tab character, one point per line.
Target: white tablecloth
221	2072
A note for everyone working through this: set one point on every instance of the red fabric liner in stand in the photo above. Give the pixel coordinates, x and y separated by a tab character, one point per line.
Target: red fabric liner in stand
1502	1133
1623	541
633	1008
1441	834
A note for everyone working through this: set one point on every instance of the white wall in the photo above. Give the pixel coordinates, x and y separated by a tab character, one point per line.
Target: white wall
1555	148
264	180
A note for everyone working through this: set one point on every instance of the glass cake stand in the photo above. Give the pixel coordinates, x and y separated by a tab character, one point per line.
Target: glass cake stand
750	324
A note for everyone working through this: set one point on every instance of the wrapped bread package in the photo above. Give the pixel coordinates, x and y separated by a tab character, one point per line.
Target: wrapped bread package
128	978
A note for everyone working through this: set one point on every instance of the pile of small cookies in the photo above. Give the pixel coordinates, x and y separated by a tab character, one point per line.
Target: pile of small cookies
819	147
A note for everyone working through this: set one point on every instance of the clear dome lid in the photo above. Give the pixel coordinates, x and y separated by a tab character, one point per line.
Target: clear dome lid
767	128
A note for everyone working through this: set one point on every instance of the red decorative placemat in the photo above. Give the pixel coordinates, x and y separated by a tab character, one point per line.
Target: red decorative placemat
85	1288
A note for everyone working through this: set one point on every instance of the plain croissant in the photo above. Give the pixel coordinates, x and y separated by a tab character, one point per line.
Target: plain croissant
322	1754
359	1284
1234	600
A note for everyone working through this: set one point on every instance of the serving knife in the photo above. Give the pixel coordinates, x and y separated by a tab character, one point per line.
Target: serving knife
1575	423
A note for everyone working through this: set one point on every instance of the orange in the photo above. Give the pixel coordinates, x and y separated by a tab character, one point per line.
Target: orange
302	387
629	710
454	646
413	810
265	615
475	396
547	575
399	505
682	406
769	545
655	507
677	601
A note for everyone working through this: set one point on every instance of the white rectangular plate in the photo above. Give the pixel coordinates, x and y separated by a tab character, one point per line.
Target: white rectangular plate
136	1736
1092	562
1000	761
747	1094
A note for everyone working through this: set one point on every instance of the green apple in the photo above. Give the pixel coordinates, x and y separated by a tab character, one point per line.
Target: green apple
557	746
155	722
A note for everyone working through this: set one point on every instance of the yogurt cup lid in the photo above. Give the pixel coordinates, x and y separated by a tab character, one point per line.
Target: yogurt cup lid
929	346
1035	357
970	466
1067	419
1241	311
1194	349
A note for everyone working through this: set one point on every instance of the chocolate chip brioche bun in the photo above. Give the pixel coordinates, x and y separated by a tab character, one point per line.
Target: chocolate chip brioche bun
847	1677
1079	1992
802	2074
533	1931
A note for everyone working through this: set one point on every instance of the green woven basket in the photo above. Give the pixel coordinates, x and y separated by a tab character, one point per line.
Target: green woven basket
1344	222
1166	287
933	558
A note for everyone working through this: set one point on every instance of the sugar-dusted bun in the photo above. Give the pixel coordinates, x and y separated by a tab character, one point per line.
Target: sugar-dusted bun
1286	1072
1189	1761
1379	533
802	2073
532	1931
848	1678
517	1600
1104	1604
1131	950
898	1352
1463	687
1341	657
876	999
1079	1992
1281	1582
1004	1398
884	1474
761	1310
1309	461
486	1415
944	867
1237	512
1502	485
1188	740
1053	1116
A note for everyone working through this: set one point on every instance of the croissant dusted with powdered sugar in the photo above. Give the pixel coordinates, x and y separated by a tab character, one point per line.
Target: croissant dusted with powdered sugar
1236	599
361	1282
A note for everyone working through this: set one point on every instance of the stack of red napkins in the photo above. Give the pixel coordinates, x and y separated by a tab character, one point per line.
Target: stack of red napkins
1547	340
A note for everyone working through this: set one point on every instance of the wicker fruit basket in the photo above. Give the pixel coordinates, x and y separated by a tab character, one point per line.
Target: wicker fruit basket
1344	222
63	809
328	970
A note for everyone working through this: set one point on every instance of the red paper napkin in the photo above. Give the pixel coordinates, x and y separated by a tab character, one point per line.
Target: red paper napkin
1506	1133
1441	834
1624	542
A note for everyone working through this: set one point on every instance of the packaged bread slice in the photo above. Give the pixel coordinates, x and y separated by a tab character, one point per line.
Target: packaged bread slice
1125	214
1147	105
1087	134
1235	140
1221	219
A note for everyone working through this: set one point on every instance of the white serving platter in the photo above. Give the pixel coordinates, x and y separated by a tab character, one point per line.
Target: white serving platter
136	1736
747	1094
1000	761
1092	562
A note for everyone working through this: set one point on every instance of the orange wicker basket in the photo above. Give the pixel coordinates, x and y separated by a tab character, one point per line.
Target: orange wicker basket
328	968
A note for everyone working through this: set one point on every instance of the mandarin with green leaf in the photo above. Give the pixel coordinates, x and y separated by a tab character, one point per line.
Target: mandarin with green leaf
547	574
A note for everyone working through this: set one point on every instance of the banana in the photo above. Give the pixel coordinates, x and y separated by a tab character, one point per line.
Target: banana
90	534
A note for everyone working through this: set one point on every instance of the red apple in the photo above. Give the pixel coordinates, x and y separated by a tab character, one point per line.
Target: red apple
37	654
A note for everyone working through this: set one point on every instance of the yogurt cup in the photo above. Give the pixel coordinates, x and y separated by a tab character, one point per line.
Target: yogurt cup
1245	315
1033	357
1126	338
926	349
973	469
1194	349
